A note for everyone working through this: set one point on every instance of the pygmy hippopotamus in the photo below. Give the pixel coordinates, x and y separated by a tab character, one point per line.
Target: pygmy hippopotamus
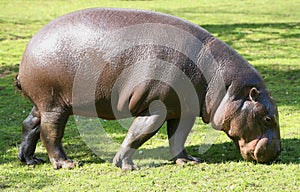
118	63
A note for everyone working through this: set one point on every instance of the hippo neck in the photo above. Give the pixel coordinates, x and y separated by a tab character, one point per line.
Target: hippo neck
223	68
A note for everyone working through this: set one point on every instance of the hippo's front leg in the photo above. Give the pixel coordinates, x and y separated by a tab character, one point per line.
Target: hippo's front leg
178	130
52	131
142	129
30	137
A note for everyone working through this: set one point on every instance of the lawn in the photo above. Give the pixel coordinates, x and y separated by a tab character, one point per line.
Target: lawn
265	32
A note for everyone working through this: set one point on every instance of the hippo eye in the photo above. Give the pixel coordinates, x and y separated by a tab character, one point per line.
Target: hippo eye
267	120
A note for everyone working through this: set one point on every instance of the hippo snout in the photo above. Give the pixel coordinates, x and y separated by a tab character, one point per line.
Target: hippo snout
268	147
264	149
267	150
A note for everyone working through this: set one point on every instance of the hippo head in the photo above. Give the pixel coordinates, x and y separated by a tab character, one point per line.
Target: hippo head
250	119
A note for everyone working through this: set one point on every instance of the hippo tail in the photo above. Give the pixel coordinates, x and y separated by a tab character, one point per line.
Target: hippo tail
17	83
18	86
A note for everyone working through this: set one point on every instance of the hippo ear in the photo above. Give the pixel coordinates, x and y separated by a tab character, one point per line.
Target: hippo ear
253	94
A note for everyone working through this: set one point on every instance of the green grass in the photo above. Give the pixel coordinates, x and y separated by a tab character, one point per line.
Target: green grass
265	32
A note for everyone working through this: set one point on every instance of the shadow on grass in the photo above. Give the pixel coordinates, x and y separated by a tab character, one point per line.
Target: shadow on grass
241	30
7	70
283	81
227	152
217	153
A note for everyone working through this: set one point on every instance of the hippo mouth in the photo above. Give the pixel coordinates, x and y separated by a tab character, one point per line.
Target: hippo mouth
262	150
266	150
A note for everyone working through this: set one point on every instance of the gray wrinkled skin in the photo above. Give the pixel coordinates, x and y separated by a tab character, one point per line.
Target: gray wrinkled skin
230	94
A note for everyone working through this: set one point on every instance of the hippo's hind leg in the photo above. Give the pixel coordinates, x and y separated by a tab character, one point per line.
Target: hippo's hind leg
178	130
30	137
143	128
52	131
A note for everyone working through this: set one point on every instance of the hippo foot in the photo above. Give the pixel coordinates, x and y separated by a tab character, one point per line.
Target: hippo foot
183	158
32	160
125	164
65	164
